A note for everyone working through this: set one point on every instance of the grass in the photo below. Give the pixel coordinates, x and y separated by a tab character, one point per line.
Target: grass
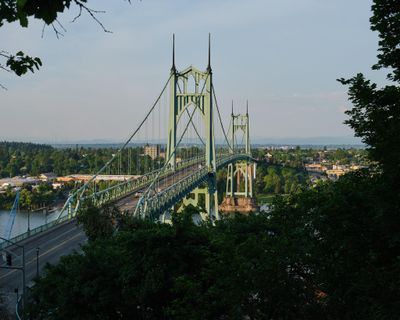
265	198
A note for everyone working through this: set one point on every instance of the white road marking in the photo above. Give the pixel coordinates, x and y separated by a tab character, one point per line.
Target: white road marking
41	255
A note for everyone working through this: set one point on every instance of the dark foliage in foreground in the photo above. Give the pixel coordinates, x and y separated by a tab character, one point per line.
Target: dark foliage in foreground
330	252
156	271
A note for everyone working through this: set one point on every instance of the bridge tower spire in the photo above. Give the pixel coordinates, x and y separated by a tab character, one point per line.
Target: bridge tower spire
202	101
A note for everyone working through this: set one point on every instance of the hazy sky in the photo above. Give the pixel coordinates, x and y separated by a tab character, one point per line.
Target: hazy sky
284	56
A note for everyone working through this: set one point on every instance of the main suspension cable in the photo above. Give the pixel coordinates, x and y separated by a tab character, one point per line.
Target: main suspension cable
109	162
220	119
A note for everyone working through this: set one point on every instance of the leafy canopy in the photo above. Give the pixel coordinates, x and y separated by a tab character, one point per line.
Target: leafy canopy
375	116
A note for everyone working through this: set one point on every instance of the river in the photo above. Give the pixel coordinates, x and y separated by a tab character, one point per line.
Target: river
36	219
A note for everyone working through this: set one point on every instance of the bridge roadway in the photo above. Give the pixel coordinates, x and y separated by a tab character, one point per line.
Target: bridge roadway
58	241
128	203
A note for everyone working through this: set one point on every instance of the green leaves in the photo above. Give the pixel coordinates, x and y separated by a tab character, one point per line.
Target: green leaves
156	271
23	19
21	63
21	4
386	20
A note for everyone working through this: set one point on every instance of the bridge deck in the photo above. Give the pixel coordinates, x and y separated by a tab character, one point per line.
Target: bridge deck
129	202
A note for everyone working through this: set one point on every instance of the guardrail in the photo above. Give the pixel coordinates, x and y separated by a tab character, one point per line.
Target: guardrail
167	197
18	307
34	231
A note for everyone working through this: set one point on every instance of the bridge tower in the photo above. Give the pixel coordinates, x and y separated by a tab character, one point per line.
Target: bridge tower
240	175
201	98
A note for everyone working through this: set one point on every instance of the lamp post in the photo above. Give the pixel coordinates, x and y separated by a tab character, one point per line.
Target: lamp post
16	291
37	262
29	222
18	268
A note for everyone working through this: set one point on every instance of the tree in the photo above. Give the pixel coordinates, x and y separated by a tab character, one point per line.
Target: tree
25	199
239	269
98	223
375	116
350	231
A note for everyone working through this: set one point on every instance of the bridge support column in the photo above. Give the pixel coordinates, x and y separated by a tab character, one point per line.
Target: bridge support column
239	196
239	193
205	199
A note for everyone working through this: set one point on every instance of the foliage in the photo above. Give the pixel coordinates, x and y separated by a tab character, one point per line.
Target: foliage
20	63
156	271
352	228
297	157
386	20
330	252
31	198
98	223
275	179
375	116
27	158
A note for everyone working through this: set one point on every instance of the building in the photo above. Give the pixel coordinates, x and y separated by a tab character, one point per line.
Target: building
153	151
48	176
17	182
336	173
314	167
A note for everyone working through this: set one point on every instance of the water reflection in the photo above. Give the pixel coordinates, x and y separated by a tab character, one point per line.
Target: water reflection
22	218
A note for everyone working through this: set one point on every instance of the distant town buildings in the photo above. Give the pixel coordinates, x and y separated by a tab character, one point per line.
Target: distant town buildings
101	177
332	171
47	177
18	182
153	151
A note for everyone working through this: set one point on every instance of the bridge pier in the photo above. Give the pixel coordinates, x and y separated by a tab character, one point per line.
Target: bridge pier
239	193
203	198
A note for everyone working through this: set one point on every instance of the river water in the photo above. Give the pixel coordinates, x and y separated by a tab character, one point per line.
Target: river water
36	219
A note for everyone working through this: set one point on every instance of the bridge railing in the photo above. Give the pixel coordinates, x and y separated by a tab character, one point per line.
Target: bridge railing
161	201
121	190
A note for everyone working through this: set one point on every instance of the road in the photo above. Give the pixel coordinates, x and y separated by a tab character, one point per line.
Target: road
53	244
59	241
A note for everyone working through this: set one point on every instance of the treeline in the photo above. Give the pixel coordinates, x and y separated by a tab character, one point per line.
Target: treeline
277	179
297	157
18	158
32	198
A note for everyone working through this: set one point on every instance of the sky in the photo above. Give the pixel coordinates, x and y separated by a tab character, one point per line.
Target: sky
283	56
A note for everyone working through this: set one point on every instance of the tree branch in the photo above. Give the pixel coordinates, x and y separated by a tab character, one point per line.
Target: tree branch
92	13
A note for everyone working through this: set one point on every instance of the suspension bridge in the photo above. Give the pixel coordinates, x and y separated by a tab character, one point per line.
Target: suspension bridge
172	157
170	180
